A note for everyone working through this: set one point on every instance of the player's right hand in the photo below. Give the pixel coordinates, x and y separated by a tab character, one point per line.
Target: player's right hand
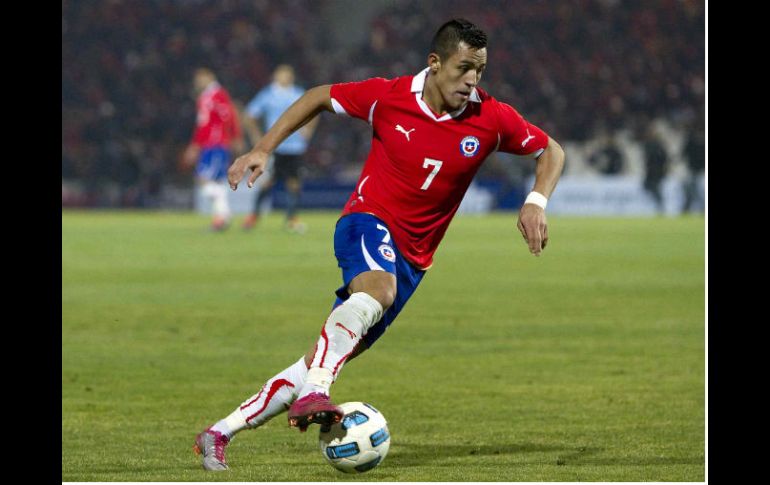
189	157
254	160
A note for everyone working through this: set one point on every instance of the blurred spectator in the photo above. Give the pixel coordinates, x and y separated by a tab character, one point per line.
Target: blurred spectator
608	160
695	154
566	64
655	164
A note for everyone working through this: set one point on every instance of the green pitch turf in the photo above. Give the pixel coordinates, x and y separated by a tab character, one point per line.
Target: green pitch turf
586	364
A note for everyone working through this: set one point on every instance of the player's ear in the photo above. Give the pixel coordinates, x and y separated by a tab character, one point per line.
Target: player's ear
434	61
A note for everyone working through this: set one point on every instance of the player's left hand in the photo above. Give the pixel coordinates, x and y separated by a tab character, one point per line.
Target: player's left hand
534	227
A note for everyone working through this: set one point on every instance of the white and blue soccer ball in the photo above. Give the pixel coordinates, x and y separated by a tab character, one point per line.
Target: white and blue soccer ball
359	442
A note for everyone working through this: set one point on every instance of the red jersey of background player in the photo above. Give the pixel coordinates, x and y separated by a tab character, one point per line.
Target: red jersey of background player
217	121
420	164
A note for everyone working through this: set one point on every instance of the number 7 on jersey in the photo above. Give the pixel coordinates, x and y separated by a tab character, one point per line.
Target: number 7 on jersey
436	167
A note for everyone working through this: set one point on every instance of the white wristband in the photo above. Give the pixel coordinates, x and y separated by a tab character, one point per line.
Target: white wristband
537	199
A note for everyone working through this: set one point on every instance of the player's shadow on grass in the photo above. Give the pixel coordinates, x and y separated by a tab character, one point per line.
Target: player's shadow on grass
405	454
418	454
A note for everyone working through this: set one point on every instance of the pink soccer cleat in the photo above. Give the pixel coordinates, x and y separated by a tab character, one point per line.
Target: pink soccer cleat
314	408
211	444
295	226
219	224
250	222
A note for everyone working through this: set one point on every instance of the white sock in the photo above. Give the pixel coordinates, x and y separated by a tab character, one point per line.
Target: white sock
208	189
231	425
339	336
274	398
221	205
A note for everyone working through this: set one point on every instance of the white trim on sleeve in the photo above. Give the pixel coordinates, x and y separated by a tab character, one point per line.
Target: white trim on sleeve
371	112
338	108
537	153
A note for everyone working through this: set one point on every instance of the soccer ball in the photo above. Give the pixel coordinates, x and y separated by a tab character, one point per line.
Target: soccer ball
359	442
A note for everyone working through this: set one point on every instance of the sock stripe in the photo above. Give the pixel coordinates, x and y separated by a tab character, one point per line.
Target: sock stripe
253	400
343	359
343	327
277	384
326	345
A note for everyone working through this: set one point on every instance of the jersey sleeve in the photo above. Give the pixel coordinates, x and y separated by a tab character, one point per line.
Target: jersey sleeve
357	99
517	135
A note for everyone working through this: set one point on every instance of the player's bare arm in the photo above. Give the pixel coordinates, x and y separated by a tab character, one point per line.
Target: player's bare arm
238	144
308	130
298	115
251	127
532	221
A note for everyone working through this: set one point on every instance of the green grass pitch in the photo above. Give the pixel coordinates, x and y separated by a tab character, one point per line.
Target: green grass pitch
586	364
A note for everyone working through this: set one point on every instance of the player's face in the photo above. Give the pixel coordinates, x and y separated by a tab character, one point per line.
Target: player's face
284	77
457	76
201	81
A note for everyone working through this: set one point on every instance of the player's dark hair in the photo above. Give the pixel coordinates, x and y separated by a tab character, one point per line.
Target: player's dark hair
448	37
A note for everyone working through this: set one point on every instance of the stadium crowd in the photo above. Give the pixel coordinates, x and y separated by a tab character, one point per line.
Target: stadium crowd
578	68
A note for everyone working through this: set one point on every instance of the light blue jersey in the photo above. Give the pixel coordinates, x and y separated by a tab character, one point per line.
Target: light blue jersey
269	104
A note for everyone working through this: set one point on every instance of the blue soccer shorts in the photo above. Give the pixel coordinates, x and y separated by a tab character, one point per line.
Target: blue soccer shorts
213	163
362	243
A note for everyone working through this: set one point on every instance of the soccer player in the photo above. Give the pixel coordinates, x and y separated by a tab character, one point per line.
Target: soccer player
431	132
270	103
217	131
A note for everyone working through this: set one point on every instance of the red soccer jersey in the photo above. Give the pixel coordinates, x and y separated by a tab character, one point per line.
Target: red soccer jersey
421	165
217	122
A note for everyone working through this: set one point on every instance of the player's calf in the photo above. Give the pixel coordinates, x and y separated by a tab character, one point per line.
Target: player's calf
340	336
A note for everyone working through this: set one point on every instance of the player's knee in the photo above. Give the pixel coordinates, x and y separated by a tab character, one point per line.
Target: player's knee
387	296
379	285
384	292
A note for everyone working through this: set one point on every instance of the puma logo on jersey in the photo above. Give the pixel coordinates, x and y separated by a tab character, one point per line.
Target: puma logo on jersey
526	140
352	335
402	130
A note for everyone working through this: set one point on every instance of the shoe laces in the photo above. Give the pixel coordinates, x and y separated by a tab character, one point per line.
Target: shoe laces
316	396
220	441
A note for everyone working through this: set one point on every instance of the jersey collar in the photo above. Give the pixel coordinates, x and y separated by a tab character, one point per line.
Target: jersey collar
213	86
418	84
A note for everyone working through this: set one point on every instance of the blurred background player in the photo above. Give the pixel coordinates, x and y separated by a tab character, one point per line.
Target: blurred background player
217	132
655	164
267	106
